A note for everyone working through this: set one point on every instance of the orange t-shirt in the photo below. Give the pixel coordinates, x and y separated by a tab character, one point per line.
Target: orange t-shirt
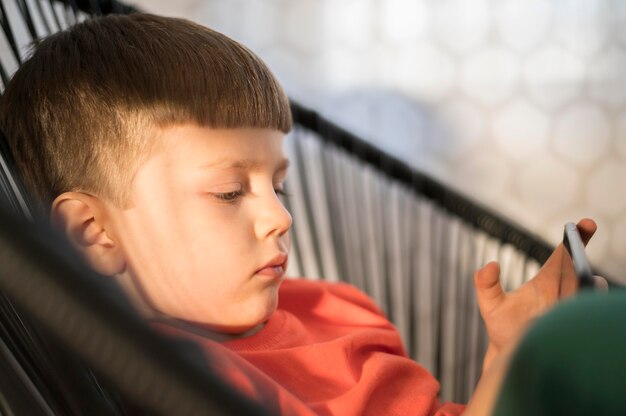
329	349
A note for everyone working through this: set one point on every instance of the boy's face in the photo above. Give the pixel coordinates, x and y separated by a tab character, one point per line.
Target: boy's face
206	237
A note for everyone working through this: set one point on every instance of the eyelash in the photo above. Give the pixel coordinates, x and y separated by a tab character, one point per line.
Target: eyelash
229	196
232	197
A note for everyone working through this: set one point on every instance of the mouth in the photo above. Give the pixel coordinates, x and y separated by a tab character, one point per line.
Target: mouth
275	268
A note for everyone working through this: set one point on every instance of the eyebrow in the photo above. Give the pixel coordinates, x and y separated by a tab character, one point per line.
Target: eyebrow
244	164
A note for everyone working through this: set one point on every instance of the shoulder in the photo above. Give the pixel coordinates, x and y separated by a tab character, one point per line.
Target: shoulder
574	352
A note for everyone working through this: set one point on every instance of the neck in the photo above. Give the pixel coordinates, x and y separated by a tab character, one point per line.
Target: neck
145	309
205	331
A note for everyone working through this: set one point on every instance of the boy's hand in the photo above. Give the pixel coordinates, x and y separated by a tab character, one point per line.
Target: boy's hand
507	314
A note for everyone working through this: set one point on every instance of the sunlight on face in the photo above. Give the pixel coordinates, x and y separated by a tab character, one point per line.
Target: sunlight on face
206	237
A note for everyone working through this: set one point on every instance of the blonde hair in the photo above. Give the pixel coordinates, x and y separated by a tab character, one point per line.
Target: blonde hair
80	112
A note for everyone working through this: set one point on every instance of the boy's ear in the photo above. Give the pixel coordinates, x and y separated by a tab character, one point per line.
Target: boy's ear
81	218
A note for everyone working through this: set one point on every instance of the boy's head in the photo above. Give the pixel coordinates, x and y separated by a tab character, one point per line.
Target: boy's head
156	145
82	111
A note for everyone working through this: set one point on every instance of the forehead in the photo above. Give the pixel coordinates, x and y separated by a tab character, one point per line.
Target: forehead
205	147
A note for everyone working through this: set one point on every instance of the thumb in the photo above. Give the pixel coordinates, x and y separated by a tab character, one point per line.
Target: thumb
600	284
489	291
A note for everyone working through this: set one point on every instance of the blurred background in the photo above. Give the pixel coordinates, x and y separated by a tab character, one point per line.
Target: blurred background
518	104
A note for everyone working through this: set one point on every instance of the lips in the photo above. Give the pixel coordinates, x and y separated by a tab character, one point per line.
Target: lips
274	268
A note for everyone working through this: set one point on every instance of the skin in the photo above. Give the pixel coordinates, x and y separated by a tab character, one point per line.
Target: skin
506	315
204	220
205	217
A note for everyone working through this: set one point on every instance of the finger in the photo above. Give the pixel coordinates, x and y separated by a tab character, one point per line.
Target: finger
600	284
587	228
489	290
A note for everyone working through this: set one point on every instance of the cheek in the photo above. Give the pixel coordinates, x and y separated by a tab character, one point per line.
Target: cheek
219	242
218	226
199	241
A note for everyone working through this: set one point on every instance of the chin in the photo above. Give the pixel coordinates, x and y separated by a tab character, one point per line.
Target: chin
255	315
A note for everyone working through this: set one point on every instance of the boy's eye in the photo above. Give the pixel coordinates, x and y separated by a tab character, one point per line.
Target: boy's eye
279	189
228	196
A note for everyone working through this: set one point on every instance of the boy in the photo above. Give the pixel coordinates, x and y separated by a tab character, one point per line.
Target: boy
156	145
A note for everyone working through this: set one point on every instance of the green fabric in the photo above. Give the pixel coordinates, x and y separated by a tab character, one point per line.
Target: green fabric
571	362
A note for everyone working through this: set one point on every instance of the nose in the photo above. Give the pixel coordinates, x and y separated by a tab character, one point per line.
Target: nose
272	217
